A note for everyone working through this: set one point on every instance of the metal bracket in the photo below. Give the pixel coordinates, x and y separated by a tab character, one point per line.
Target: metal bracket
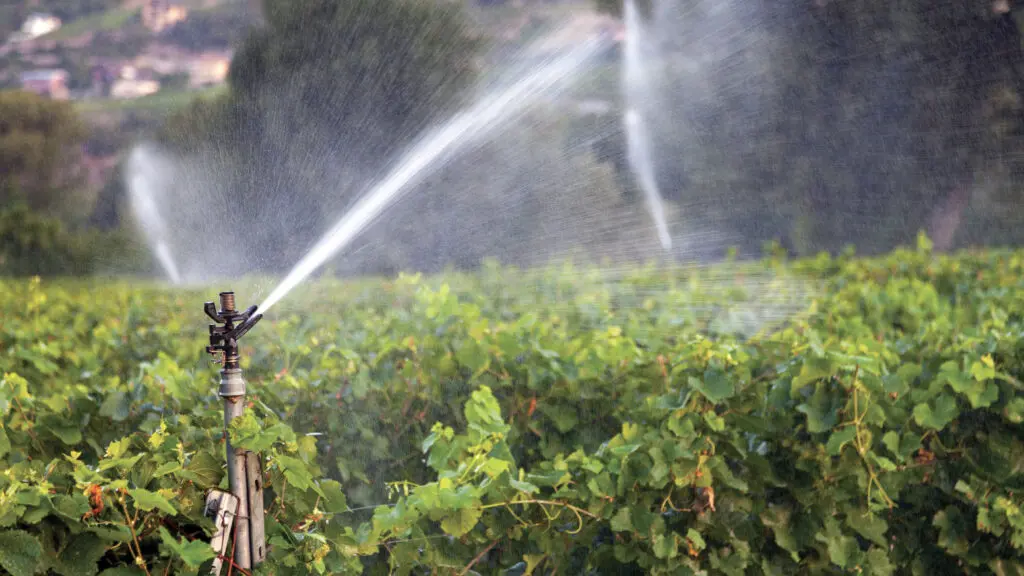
221	507
254	481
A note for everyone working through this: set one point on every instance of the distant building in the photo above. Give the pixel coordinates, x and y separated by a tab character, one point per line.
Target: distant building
159	15
126	89
133	84
164	59
208	69
39	24
50	83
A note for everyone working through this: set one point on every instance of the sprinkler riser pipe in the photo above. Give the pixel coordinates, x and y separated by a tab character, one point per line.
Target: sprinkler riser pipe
234	406
232	389
244	468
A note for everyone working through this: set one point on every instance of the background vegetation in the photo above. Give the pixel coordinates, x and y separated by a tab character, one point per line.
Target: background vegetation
819	125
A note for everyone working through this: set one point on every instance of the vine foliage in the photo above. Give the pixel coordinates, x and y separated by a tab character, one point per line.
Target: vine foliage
540	422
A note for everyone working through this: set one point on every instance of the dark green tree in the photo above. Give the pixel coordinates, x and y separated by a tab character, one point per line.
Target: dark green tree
39	141
321	98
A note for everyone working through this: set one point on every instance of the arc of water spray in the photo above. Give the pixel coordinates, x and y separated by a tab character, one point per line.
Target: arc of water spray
149	214
637	82
430	154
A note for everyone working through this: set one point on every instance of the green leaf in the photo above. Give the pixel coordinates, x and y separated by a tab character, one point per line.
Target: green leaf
869	526
983	394
813	369
779	520
924	244
936	416
69	435
983	371
564	417
695	539
483	413
166	468
116	406
621	522
296	471
5	443
19	552
665	545
206	470
891	440
334	501
118	534
878	563
841	548
1015	411
523	486
952	530
461	521
822	410
247	434
118	448
840	438
81	556
473	355
193	553
146	500
71	507
716	385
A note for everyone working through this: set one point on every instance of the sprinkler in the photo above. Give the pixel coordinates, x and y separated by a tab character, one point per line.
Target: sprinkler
245	468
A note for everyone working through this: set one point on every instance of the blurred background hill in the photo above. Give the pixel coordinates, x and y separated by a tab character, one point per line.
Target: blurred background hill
813	124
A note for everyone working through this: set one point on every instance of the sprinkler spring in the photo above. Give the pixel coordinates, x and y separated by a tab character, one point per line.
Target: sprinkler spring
244	504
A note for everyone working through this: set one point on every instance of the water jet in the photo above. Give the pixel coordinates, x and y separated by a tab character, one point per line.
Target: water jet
433	151
636	84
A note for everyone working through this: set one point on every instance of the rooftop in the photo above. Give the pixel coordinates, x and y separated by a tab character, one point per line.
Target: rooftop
36	75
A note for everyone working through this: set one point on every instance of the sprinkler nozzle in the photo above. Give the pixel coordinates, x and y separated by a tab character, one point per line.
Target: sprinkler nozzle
224	339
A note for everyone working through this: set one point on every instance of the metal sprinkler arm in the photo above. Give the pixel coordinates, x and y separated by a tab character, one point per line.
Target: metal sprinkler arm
224	339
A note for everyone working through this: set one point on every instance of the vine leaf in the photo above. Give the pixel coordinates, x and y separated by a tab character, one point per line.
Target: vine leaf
462	521
937	417
81	556
146	500
193	553
19	552
839	439
716	385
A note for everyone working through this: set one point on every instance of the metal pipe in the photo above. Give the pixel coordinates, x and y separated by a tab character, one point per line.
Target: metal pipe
224	343
232	390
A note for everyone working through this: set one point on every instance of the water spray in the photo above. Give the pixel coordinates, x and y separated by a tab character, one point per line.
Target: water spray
245	469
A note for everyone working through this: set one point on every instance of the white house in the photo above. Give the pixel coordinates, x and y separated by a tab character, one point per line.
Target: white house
130	85
126	88
39	24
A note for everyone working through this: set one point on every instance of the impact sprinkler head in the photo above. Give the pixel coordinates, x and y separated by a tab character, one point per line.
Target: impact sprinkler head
231	326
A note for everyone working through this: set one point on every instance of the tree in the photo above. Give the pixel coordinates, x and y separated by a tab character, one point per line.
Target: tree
38	145
320	99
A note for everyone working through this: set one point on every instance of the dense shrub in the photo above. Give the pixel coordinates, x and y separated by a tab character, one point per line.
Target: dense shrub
517	422
34	244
